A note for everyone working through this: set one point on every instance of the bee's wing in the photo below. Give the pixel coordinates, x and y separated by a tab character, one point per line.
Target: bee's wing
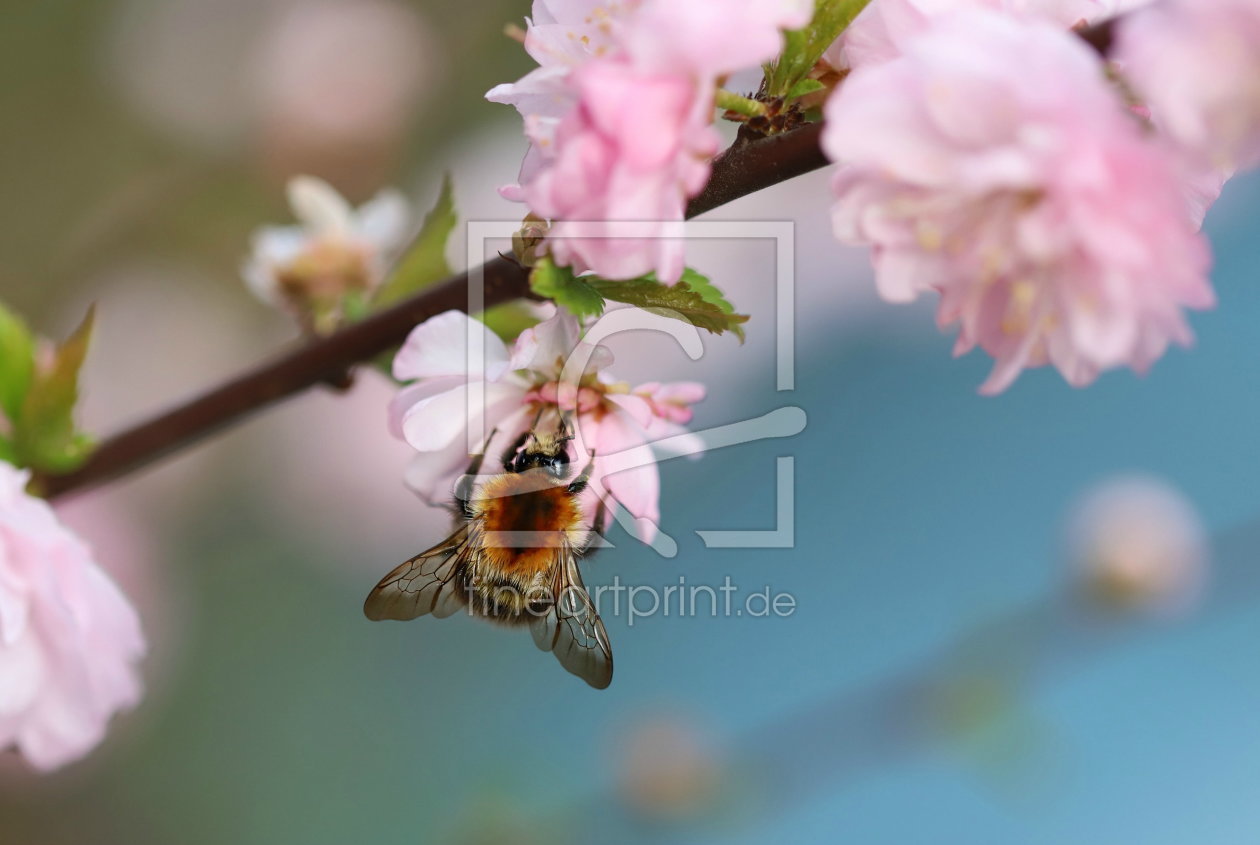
424	584
573	630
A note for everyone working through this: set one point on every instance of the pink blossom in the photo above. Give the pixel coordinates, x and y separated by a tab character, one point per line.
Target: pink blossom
619	117
433	413
334	249
562	36
881	32
614	164
993	164
68	637
1197	65
1138	543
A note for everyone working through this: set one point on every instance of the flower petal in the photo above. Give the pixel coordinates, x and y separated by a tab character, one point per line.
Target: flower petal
407	397
434	422
545	347
439	347
384	220
318	205
638	487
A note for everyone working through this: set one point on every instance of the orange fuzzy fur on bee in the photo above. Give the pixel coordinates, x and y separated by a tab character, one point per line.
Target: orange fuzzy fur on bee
525	519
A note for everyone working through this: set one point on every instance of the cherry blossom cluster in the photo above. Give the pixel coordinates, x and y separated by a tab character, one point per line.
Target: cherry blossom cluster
619	116
998	167
1050	197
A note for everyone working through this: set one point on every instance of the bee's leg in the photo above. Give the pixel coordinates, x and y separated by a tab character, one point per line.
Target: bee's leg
595	540
601	514
463	487
578	484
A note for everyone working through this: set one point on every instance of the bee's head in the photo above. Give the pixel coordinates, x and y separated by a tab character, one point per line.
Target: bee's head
548	453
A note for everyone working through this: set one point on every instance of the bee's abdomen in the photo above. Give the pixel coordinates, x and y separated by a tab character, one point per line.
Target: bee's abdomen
506	601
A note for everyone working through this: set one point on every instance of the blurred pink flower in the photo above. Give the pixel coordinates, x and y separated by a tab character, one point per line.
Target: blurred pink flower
337	86
68	637
342	71
619	117
880	33
334	248
995	165
433	413
668	767
1197	65
1138	543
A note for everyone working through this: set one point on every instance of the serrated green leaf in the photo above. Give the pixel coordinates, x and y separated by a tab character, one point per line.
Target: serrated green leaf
708	291
424	262
17	362
693	299
803	87
44	434
804	47
578	294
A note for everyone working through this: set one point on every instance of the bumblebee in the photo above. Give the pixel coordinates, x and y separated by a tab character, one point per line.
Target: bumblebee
513	556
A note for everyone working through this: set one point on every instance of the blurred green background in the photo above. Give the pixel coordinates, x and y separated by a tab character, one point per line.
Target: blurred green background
943	679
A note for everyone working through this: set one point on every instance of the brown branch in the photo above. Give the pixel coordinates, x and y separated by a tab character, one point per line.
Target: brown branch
745	168
748	167
736	173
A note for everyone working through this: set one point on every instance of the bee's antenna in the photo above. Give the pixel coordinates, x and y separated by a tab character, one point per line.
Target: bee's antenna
533	427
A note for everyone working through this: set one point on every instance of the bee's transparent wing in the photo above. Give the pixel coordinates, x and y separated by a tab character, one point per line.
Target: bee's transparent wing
424	584
572	630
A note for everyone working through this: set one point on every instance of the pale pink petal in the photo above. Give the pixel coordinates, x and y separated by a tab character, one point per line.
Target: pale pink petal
385	221
412	394
432	423
1196	64
546	346
637	488
320	208
439	347
683	392
636	407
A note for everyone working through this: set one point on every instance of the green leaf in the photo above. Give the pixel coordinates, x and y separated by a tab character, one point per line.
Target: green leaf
803	87
7	453
424	262
708	291
804	47
44	434
17	362
730	101
578	294
509	319
693	299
